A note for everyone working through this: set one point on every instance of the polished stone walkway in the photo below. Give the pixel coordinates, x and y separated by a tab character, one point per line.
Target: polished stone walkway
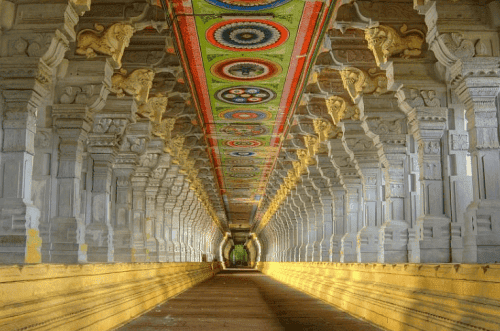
243	299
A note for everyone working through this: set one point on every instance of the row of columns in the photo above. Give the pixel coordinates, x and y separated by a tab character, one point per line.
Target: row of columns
399	187
84	178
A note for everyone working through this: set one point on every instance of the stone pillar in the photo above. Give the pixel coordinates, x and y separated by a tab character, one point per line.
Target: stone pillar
460	182
353	210
427	125
477	84
338	223
132	147
28	64
20	240
302	241
73	119
67	229
365	155
468	48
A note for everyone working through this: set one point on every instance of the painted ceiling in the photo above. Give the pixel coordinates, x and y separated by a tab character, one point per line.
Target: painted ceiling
246	62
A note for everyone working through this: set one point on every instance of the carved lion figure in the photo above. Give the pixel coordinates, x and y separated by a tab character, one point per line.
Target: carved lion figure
385	42
154	108
138	83
339	109
358	82
111	41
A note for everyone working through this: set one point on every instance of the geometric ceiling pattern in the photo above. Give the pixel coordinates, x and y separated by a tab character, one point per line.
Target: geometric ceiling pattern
246	62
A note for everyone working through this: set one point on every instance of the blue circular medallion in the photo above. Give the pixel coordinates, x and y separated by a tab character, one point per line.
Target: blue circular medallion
247	5
242	154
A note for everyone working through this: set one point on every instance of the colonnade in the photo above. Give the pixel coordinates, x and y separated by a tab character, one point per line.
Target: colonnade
102	158
394	155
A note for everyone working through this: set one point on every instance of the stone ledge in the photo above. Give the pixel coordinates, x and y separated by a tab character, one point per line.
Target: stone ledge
90	296
402	296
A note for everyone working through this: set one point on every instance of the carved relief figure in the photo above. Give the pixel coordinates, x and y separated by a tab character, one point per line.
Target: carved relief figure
339	109
358	82
154	108
111	41
385	42
137	83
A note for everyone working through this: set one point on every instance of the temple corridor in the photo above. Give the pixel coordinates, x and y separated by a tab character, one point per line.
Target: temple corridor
245	299
344	154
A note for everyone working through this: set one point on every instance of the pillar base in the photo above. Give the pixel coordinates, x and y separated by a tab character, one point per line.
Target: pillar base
435	239
20	240
348	248
335	248
65	246
393	242
482	232
367	244
96	237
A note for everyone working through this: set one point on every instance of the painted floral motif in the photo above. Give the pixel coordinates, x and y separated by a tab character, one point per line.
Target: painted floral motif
243	143
247	35
245	69
245	95
244	130
246	115
246	5
243	154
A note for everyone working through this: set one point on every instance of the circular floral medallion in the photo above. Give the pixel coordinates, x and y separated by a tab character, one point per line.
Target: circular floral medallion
245	69
243	154
244	130
247	5
245	95
247	35
246	143
246	115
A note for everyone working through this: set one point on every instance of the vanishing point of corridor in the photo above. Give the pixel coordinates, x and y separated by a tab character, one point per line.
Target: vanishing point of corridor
245	299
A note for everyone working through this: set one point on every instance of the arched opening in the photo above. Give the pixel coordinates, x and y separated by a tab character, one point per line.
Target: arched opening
238	256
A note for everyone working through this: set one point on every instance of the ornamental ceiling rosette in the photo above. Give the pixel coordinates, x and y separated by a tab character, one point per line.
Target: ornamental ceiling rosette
247	62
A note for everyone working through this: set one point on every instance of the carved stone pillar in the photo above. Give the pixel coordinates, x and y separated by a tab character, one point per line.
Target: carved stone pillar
459	171
468	48
302	228
353	210
154	237
477	84
339	228
363	151
99	233
133	145
73	119
20	240
139	183
427	122
67	229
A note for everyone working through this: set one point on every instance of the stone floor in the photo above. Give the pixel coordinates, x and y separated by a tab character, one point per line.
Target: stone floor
245	299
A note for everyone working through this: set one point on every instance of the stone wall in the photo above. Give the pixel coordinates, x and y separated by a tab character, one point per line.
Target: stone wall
402	296
90	296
